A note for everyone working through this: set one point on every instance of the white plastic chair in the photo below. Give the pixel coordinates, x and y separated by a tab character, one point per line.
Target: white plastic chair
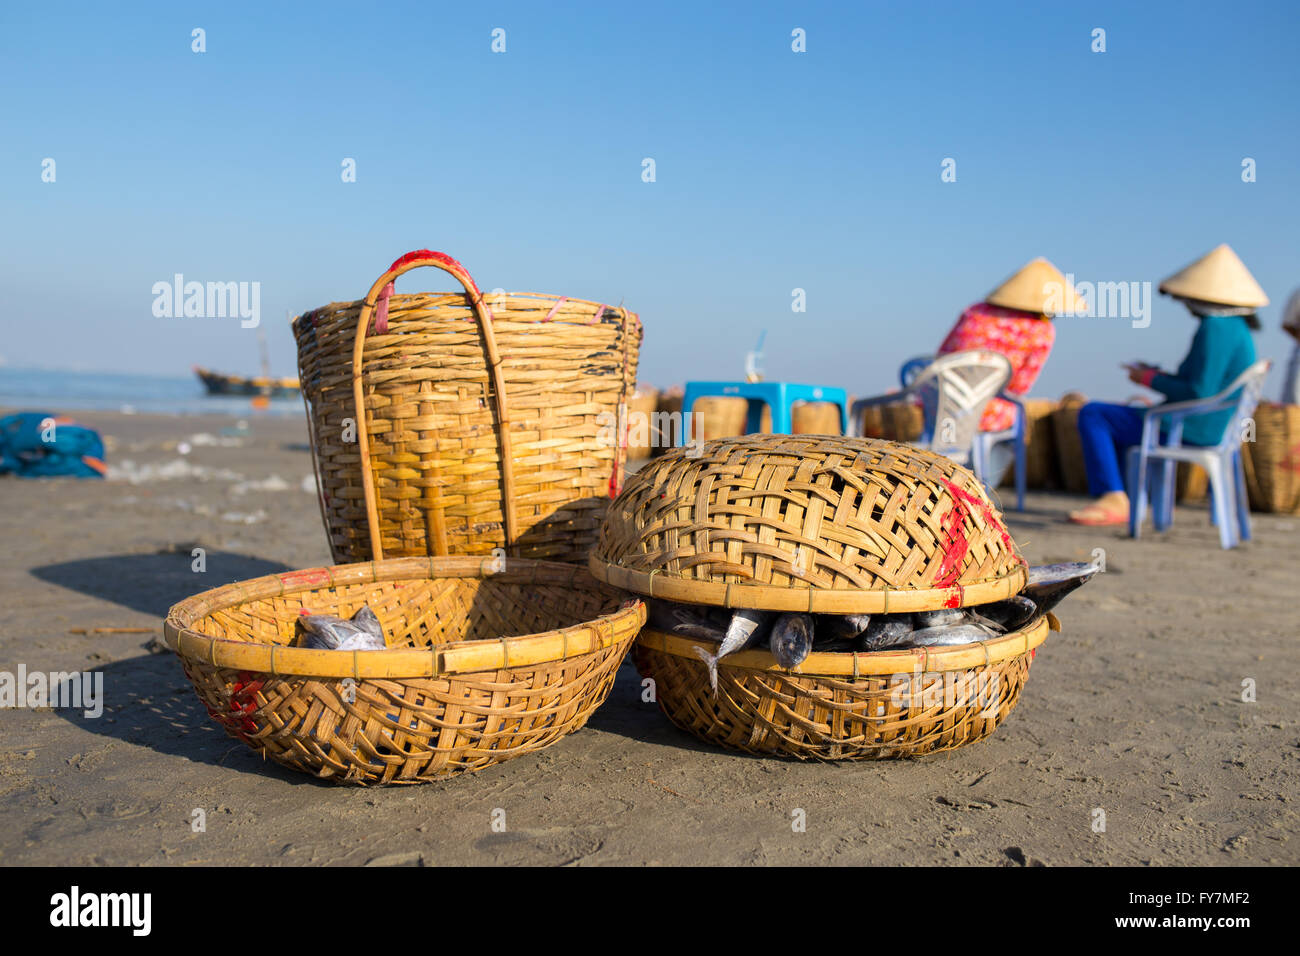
954	390
1151	465
988	440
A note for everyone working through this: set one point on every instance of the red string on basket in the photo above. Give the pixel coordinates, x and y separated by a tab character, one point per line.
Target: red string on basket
381	310
953	532
243	704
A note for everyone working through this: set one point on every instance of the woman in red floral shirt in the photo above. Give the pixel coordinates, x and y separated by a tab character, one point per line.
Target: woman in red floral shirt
1015	319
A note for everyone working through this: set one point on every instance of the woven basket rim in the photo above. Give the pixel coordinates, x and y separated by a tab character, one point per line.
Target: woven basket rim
867	663
767	597
458	657
398	297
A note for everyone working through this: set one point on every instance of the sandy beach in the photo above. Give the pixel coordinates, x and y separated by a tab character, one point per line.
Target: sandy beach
1135	710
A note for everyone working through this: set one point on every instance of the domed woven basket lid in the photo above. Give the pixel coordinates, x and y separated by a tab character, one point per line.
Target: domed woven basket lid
808	523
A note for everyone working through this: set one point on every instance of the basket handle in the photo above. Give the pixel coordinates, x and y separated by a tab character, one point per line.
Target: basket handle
377	297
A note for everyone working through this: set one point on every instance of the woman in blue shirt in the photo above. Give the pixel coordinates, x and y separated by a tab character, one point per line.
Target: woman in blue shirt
1223	295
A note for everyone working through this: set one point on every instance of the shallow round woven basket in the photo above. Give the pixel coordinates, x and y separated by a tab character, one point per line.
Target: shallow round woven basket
808	523
459	423
877	705
487	660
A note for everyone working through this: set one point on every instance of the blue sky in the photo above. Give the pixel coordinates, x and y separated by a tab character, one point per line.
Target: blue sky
775	170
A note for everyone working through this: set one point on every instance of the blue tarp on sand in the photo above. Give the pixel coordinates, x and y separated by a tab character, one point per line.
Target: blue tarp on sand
41	444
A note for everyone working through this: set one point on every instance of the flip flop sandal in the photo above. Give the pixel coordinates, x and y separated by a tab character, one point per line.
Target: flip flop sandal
1098	518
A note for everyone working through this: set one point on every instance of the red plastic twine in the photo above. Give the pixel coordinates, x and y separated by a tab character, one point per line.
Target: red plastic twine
450	264
381	310
956	543
242	706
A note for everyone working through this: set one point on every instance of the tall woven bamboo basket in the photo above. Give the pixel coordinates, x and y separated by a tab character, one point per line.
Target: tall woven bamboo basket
488	659
824	525
454	423
1272	460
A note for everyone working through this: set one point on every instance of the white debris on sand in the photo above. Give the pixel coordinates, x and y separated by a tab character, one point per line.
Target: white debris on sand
208	440
273	483
239	517
178	468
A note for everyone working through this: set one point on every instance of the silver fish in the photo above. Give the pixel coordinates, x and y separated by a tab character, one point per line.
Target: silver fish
839	627
944	617
325	632
746	627
835	645
1049	583
1009	615
792	639
886	632
368	622
705	623
949	635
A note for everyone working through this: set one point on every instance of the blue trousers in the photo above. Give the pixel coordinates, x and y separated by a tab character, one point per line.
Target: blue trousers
1107	432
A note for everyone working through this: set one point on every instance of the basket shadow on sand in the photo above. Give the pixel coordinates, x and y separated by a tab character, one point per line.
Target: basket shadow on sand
152	704
152	582
149	703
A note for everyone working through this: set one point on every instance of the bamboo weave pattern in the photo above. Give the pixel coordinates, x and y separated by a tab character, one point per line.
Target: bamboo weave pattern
443	441
812	522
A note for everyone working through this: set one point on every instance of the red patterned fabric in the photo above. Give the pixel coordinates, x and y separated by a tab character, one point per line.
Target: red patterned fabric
1025	338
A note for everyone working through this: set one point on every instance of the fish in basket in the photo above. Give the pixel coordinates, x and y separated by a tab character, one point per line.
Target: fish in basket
482	660
827	597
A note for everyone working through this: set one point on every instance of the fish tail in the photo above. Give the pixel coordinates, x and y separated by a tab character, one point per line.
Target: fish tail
711	662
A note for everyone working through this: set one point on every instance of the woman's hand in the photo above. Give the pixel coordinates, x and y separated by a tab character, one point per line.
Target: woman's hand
1140	373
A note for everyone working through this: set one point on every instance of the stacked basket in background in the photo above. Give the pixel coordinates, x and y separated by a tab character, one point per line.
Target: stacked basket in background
1042	470
1053	450
1069	448
641	407
902	421
816	418
1272	460
451	423
715	417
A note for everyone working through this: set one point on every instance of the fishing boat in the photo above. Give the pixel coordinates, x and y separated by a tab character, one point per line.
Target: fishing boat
218	383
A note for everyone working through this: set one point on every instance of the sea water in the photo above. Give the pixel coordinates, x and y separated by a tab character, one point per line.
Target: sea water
58	391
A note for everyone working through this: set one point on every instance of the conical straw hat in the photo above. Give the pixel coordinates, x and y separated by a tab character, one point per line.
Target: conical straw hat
1038	287
1218	277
